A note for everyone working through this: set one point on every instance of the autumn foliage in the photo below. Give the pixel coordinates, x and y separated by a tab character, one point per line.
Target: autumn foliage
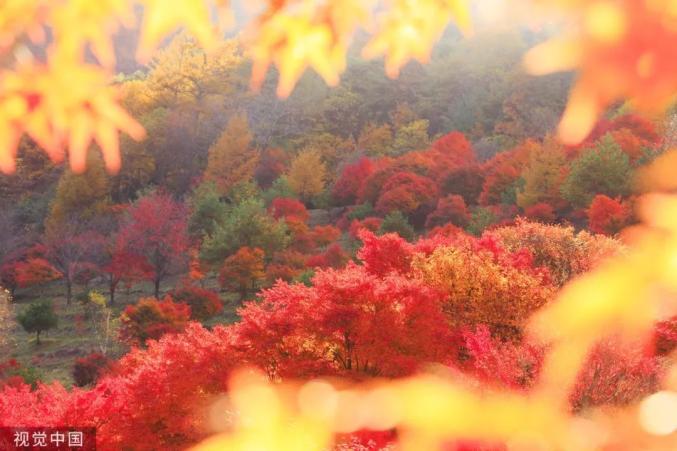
416	309
87	370
607	215
203	303
155	232
346	189
406	305
150	319
288	209
243	271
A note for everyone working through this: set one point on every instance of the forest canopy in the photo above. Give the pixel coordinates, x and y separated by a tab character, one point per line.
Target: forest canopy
340	224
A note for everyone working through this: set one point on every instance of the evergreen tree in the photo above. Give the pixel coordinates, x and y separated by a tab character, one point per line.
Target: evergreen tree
247	224
396	222
604	169
38	317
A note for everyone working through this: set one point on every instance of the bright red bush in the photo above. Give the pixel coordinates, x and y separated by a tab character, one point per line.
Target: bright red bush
333	257
35	271
409	193
283	207
615	375
385	254
349	183
372	185
452	150
607	215
499	363
349	322
157	397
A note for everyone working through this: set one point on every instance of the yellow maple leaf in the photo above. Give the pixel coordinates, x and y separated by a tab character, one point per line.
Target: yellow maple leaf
308	35
162	17
96	23
22	16
410	28
63	105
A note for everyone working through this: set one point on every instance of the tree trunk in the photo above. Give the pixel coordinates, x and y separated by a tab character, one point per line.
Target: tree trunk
69	291
111	289
38	337
157	288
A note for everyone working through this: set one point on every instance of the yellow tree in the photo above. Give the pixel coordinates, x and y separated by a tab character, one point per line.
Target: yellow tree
80	197
231	158
183	74
544	175
332	149
375	139
411	136
484	288
307	174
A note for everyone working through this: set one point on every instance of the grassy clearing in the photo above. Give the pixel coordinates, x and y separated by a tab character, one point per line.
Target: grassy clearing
74	337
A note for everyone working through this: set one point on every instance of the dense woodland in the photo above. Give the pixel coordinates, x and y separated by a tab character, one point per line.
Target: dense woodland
369	230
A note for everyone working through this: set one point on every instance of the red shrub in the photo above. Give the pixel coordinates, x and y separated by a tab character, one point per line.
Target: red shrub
349	322
450	209
35	271
372	186
203	303
333	257
324	235
540	212
384	254
285	265
347	188
372	224
151	319
615	375
284	207
499	363
607	215
410	193
452	150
